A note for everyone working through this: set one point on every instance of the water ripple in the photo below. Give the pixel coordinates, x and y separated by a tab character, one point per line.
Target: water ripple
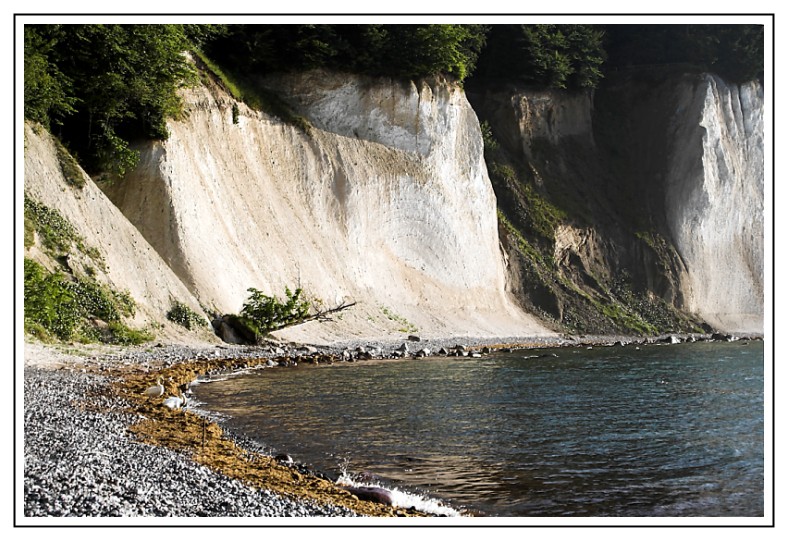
663	431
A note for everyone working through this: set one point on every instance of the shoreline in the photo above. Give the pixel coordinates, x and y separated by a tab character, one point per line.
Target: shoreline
117	376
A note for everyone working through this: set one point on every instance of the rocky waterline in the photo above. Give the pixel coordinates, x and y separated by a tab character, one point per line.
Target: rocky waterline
94	447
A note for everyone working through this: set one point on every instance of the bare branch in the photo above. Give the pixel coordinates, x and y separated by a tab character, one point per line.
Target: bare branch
318	315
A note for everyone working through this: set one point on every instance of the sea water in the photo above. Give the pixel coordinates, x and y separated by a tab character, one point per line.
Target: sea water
656	430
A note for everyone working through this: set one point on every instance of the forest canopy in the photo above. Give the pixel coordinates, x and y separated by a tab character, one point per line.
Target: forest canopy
546	55
102	86
404	51
99	87
732	51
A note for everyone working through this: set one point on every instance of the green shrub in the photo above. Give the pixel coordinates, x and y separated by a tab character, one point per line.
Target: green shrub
124	303
56	233
64	309
269	313
234	113
38	331
406	325
490	144
99	301
124	335
114	157
94	301
30	232
49	302
182	315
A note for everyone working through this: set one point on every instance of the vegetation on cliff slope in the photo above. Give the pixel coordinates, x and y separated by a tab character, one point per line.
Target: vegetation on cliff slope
240	85
100	86
578	289
615	271
181	314
71	309
70	303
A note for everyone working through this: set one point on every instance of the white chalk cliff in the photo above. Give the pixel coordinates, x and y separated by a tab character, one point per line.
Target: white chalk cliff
386	202
714	201
687	151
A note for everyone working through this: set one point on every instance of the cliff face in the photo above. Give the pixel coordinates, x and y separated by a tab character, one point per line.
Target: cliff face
385	202
638	209
658	189
123	258
714	201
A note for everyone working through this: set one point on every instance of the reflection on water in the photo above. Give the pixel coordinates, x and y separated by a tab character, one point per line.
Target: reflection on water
661	431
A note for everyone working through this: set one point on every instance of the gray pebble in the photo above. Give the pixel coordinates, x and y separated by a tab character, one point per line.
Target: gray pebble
83	462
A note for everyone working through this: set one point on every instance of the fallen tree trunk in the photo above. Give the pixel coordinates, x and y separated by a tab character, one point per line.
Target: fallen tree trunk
236	329
319	315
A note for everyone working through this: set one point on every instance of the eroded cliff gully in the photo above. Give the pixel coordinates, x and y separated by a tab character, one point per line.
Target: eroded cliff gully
651	193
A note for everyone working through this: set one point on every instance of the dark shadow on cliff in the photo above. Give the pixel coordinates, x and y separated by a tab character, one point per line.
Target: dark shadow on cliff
579	178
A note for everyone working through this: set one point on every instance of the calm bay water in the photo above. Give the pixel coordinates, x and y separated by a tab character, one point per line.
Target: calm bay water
660	431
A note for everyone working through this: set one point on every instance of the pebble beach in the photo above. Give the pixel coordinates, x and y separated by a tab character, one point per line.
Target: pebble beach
81	460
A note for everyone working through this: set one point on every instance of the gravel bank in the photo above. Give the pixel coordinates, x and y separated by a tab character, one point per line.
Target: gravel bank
79	460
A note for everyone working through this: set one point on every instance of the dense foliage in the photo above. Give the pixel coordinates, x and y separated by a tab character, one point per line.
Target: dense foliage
408	51
70	304
55	233
181	314
49	305
48	92
101	86
269	313
551	55
59	307
732	51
